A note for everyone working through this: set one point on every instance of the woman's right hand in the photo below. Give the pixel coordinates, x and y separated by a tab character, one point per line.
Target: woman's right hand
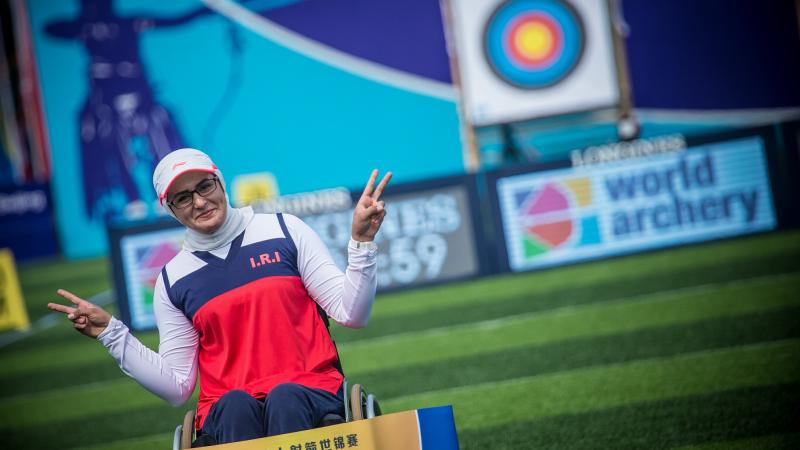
86	317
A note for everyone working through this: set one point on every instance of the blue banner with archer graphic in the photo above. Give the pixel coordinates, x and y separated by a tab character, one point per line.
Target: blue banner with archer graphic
565	215
288	92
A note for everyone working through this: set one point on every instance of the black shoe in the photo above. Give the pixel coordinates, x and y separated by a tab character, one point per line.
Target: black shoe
204	440
330	419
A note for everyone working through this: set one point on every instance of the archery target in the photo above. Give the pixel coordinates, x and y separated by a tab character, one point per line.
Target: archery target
523	59
532	44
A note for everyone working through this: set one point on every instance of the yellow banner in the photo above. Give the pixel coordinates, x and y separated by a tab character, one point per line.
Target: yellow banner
399	431
13	314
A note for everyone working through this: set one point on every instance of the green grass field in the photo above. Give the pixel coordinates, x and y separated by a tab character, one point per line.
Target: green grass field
689	348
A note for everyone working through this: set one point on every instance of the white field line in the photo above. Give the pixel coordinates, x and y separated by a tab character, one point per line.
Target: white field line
483	325
90	388
655	359
561	310
50	320
515	381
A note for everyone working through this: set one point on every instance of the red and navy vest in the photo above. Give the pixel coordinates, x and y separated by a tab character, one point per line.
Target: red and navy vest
257	325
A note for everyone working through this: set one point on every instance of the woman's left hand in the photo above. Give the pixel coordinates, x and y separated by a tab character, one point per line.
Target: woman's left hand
370	210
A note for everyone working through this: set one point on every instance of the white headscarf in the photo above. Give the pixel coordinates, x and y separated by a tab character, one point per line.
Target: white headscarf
185	160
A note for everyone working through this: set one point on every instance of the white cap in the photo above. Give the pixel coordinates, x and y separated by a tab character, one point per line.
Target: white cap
176	164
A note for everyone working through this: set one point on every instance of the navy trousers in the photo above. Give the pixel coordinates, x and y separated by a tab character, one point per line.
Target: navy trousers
289	407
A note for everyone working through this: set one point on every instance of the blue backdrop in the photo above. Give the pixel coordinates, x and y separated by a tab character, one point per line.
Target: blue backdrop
318	92
127	81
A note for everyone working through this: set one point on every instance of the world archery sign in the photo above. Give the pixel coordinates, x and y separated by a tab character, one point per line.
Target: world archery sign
709	191
532	44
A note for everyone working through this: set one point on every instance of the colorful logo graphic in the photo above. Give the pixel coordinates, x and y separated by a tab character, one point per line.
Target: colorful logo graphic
151	259
533	44
142	256
549	220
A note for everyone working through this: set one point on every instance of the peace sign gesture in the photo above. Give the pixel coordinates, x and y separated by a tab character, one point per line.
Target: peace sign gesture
369	213
86	317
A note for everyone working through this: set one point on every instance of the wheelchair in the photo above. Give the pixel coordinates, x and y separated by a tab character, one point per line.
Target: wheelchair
358	405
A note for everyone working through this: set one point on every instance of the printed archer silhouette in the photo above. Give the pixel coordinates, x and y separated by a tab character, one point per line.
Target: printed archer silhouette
123	129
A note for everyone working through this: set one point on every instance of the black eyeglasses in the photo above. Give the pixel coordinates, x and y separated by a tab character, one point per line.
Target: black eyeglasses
185	198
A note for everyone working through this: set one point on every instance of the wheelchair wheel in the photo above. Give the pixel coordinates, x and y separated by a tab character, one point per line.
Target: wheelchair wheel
358	401
187	433
373	408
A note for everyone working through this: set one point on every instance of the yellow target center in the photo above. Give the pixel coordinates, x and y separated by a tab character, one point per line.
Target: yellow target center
534	40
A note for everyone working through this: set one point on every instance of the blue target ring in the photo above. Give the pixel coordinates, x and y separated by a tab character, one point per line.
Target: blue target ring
533	44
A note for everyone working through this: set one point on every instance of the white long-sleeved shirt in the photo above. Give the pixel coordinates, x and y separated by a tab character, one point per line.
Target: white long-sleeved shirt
172	372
